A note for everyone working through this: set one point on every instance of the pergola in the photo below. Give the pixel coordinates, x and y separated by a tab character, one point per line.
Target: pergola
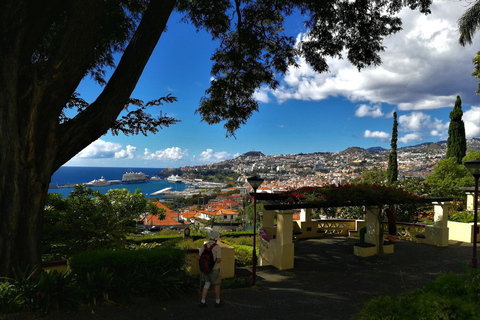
277	247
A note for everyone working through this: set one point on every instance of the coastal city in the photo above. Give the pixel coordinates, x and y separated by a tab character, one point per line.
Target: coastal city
320	168
283	172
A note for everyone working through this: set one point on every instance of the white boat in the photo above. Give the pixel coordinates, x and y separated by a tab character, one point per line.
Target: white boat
174	178
98	182
160	191
134	177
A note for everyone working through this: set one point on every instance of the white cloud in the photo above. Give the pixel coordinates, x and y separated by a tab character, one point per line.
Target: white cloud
374	111
126	154
261	95
169	154
419	121
101	149
471	118
411	137
417	71
380	135
209	156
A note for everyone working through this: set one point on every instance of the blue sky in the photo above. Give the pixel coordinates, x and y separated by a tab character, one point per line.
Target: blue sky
424	69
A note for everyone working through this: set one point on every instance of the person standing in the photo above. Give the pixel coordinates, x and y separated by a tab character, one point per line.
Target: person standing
213	277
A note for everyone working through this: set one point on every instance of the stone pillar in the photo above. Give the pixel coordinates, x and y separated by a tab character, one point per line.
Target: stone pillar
279	252
438	233
284	226
306	215
470	196
373	226
268	223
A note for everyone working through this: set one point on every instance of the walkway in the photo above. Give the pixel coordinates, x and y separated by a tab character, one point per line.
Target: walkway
328	283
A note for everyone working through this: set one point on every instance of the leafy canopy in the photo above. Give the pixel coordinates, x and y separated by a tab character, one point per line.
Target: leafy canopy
88	219
254	46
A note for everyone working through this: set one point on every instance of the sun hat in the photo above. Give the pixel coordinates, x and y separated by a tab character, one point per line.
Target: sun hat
214	235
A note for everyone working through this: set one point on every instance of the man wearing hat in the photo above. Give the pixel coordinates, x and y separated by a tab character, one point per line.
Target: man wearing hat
212	278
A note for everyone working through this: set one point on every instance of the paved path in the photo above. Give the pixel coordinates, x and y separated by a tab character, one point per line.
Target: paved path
328	282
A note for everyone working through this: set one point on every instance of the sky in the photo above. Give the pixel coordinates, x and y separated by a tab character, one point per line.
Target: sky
424	68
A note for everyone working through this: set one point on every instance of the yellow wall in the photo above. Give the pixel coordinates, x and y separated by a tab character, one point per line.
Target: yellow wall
461	231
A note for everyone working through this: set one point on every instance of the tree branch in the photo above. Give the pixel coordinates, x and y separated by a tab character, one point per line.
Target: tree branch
88	126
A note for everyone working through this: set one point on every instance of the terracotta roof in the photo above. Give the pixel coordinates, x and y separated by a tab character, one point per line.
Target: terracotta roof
170	217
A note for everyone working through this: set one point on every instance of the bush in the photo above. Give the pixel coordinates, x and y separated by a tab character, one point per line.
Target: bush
462	216
122	275
243	255
451	296
39	293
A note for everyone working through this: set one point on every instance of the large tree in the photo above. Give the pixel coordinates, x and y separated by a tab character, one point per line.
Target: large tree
392	169
456	142
47	47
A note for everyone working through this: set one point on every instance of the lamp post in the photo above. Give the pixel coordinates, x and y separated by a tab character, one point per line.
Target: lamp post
474	167
255	182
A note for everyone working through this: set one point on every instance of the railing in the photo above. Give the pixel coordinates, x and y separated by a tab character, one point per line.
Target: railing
322	228
409	231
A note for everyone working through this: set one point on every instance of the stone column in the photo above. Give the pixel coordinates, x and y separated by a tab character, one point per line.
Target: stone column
284	226
373	226
438	233
306	215
268	222
279	252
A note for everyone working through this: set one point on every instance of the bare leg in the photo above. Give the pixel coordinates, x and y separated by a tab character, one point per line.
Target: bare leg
204	293
217	291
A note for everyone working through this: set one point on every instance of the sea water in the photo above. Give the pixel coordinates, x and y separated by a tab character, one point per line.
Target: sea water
76	175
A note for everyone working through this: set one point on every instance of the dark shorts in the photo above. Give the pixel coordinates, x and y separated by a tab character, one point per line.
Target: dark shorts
213	277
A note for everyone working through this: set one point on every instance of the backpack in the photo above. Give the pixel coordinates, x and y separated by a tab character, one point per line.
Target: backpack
206	261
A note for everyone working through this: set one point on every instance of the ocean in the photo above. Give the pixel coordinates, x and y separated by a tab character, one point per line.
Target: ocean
75	175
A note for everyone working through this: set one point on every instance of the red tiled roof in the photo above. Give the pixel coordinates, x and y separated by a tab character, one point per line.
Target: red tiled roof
170	217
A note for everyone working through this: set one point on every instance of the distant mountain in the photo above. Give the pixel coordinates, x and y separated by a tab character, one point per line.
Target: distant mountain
427	145
353	150
376	149
252	154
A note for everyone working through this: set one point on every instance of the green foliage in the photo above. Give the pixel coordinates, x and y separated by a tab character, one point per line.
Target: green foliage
415	185
372	176
39	293
462	216
121	262
476	69
447	177
392	169
123	275
97	276
456	142
450	296
88	219
350	195
249	213
243	255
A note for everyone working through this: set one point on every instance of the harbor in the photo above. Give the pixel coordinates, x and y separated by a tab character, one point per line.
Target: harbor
104	179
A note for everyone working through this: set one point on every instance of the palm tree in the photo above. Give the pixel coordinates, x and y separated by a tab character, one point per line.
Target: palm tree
468	23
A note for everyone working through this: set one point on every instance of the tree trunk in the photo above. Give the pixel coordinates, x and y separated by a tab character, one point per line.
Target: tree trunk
22	199
33	142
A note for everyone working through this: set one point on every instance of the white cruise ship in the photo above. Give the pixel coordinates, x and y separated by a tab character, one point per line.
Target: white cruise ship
174	178
98	182
134	177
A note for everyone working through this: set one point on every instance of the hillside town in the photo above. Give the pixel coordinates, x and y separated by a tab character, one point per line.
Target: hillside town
289	171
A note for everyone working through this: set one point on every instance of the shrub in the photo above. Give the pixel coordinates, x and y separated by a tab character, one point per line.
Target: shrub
122	275
39	293
462	216
450	296
243	255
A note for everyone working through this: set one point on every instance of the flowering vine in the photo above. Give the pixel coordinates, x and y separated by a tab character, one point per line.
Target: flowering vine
349	195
